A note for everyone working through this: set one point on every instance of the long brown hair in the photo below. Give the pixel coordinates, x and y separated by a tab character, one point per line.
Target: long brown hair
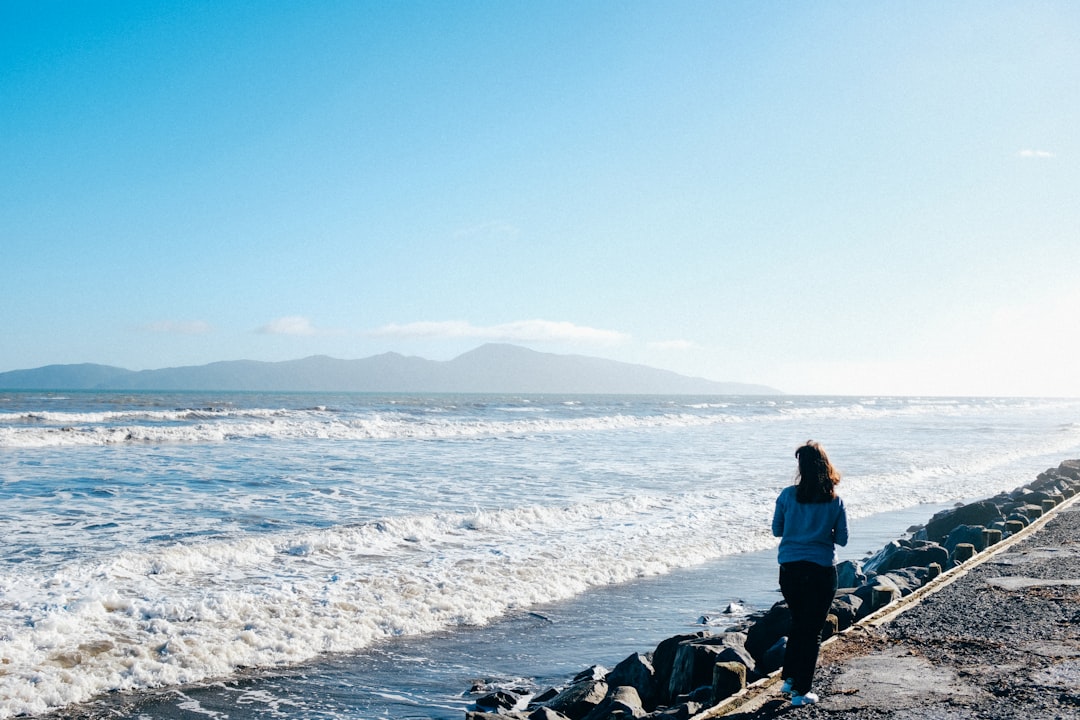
817	476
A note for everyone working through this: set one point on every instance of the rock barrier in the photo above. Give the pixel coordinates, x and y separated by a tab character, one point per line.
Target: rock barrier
685	674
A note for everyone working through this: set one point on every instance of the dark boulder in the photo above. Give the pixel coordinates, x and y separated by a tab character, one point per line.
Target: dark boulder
498	701
695	659
621	702
906	580
546	713
972	534
850	574
773	659
636	671
579	699
977	513
846	609
728	679
905	553
767	629
663	660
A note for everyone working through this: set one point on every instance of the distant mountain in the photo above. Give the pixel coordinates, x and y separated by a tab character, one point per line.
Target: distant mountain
493	368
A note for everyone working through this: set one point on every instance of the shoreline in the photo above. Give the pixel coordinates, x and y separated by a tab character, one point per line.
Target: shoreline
705	674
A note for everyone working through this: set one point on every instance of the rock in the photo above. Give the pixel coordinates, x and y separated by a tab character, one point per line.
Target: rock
637	671
541	698
773	659
728	679
663	660
1032	512
682	711
622	702
963	553
546	713
831	626
695	659
876	594
1013	526
905	553
850	574
480	715
593	672
767	629
1036	497
846	608
579	699
1018	517
497	701
907	580
971	534
977	513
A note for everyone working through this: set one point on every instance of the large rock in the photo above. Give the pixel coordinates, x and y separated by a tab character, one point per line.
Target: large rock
767	629
906	580
621	702
977	513
966	534
773	659
695	659
663	660
546	713
876	594
905	553
846	609
850	574
498	701
728	679
637	671
682	711
579	699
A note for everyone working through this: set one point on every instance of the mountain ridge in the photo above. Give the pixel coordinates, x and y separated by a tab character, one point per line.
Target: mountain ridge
490	368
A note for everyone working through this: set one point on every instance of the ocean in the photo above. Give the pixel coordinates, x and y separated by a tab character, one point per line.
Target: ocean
247	555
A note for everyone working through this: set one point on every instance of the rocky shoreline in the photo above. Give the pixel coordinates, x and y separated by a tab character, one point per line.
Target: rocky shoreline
684	675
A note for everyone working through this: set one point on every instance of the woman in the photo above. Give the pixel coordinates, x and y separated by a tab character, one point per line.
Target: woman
811	521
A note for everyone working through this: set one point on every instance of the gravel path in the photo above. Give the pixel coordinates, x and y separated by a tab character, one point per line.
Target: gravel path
1001	641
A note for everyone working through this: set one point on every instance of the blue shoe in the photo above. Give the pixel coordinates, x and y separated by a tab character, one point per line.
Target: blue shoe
788	687
807	699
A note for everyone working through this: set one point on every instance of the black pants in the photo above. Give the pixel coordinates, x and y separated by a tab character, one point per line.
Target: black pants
809	589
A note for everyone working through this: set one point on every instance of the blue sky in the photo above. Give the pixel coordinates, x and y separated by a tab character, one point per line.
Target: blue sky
827	197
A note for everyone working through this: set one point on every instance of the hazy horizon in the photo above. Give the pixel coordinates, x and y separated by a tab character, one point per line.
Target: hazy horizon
826	198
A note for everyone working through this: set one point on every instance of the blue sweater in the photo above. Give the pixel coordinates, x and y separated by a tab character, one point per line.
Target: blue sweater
809	531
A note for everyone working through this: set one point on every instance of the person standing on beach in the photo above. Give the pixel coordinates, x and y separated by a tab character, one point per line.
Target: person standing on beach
810	521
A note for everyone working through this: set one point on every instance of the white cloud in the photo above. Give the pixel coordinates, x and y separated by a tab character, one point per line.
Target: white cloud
179	327
523	330
289	325
1035	154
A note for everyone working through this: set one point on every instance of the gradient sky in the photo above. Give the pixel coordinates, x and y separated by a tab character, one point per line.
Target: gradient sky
826	197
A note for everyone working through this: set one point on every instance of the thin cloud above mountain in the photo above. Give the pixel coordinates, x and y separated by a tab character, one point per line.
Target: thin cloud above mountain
289	325
523	330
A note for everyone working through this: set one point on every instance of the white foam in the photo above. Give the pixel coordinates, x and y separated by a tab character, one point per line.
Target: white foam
57	429
189	612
